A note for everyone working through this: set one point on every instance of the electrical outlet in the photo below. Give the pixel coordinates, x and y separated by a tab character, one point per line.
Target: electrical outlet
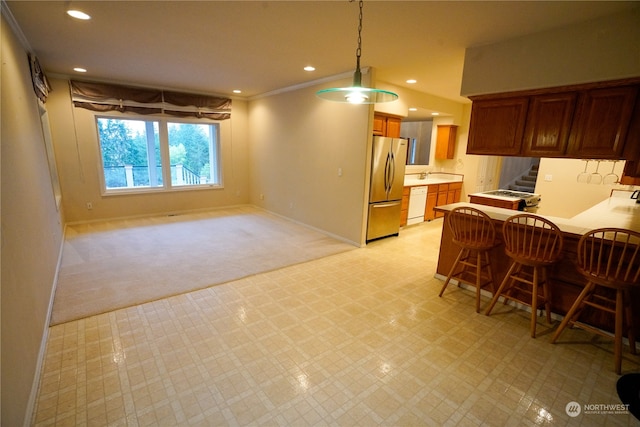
89	205
548	177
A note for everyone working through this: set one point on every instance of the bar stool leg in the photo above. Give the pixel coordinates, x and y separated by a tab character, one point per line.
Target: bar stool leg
534	302
545	290
497	293
572	311
453	268
478	279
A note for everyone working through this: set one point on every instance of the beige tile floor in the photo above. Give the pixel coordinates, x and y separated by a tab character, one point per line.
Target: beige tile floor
358	338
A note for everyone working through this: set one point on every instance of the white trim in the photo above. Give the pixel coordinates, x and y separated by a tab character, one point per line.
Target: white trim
35	386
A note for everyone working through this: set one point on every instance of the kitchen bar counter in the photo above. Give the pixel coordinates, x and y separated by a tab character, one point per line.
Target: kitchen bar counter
613	212
566	282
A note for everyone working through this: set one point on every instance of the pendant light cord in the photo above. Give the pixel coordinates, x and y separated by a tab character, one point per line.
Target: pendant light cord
357	75
356	94
359	48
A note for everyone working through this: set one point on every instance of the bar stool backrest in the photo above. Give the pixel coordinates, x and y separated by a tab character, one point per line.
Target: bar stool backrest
471	228
532	240
610	256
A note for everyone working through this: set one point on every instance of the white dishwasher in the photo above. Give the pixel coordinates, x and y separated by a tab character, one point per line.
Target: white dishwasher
417	203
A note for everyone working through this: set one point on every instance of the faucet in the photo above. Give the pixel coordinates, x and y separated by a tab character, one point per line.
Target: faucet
424	175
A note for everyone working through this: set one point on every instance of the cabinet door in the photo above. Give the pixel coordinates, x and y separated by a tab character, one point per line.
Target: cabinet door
497	126
393	127
379	125
404	211
455	191
446	141
631	174
443	193
432	199
602	121
549	124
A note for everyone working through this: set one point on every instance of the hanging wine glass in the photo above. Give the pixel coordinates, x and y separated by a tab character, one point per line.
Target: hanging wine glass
583	177
611	178
596	177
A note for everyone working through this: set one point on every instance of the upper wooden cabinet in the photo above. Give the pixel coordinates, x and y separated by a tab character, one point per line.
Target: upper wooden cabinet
548	125
602	121
631	173
446	141
386	125
497	126
587	121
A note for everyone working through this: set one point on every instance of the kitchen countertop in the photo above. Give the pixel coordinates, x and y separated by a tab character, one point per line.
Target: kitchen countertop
431	179
612	212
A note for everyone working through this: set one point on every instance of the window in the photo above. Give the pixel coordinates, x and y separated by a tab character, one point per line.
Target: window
139	155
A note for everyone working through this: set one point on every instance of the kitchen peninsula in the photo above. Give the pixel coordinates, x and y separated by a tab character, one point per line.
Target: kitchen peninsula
566	282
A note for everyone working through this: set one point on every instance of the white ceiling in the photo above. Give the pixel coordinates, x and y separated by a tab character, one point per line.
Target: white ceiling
260	46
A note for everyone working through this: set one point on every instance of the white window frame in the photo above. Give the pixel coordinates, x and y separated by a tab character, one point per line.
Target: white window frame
163	133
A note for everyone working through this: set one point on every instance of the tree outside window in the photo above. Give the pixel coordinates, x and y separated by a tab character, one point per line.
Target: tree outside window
132	160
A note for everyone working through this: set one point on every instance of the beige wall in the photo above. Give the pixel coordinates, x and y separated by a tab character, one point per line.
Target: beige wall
298	143
78	157
563	196
31	234
598	50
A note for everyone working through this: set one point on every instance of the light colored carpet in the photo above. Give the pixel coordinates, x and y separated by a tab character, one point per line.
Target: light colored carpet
116	264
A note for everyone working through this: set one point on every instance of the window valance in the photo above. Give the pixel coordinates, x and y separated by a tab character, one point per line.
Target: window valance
108	97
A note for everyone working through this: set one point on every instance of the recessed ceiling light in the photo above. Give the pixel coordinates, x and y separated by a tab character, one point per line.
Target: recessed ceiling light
435	114
309	68
413	109
78	14
80	70
237	91
412	81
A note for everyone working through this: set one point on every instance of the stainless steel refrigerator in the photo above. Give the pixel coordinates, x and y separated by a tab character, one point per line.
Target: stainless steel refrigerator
387	181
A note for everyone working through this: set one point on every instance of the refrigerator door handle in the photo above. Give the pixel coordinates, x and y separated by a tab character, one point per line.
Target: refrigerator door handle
392	170
384	205
387	168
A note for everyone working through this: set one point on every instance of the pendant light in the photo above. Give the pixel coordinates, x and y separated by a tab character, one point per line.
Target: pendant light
356	94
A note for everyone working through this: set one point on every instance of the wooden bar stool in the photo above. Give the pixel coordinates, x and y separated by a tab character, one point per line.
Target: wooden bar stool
475	233
609	258
533	243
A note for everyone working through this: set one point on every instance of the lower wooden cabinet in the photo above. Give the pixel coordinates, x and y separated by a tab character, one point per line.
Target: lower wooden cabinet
432	199
454	192
441	194
437	195
404	210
